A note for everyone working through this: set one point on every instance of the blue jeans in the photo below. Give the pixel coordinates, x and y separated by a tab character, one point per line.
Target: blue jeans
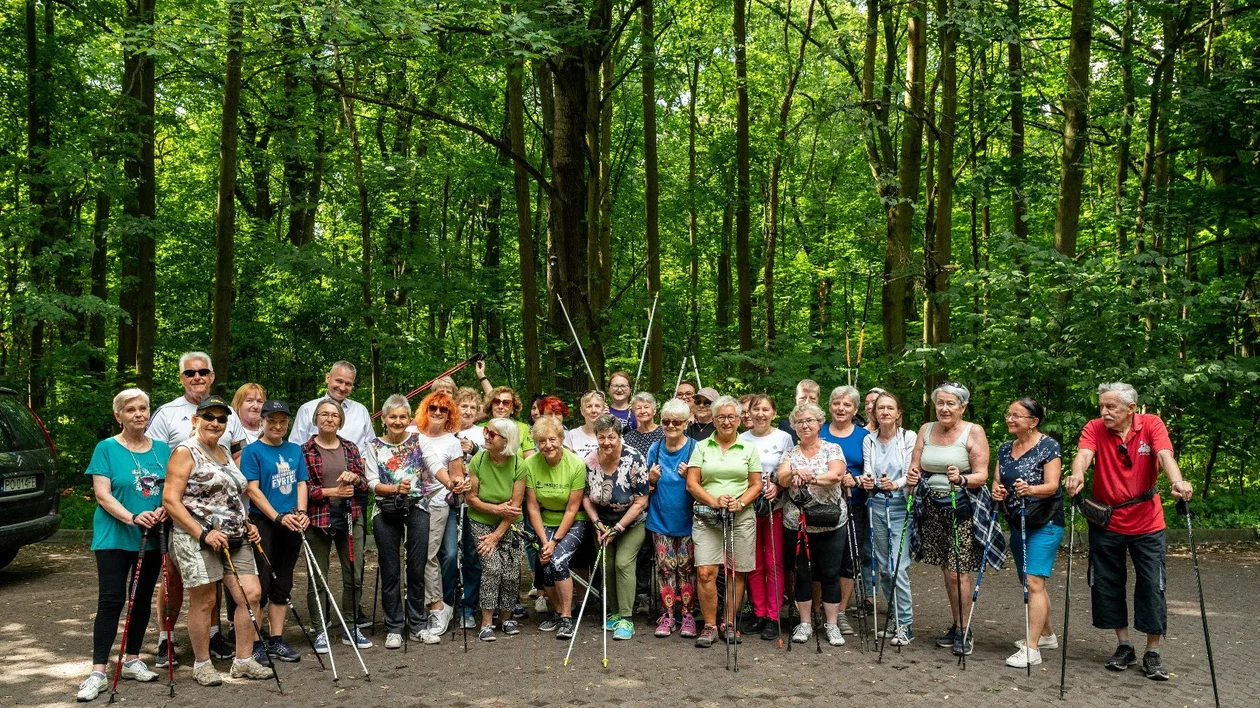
471	564
886	555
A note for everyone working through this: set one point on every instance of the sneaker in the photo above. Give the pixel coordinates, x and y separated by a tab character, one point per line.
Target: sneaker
511	627
564	630
1122	658
834	637
946	640
362	622
207	675
519	612
251	669
221	648
641	605
92	687
549	622
279	649
803	633
732	636
486	634
428	637
843	623
468	621
903	636
159	657
321	643
1024	658
260	653
707	637
963	645
393	640
611	623
752	625
439	620
137	671
540	604
688	630
664	626
624	630
889	629
357	639
770	631
1049	642
1153	667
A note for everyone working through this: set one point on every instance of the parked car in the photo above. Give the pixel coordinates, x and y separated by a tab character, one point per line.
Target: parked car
29	503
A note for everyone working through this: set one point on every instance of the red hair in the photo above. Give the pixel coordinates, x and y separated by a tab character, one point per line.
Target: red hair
553	405
441	399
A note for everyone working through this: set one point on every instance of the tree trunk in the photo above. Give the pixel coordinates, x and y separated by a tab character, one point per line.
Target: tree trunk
225	218
1067	216
723	305
693	227
651	190
524	231
938	307
38	146
1015	70
1126	127
743	187
100	283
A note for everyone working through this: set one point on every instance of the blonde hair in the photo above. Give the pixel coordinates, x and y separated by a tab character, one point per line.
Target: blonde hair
238	399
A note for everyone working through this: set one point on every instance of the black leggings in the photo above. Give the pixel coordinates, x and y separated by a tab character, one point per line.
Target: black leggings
114	571
826	549
283	548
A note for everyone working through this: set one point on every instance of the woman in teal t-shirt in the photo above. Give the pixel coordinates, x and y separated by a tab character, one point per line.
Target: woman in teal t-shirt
555	480
127	472
498	479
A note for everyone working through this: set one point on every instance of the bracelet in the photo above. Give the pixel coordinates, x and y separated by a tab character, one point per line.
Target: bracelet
133	519
482	378
300	511
204	532
279	517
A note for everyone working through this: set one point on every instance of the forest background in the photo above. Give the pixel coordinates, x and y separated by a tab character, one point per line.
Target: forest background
1030	197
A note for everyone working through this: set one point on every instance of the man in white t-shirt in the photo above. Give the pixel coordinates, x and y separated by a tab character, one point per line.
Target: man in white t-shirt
172	423
358	424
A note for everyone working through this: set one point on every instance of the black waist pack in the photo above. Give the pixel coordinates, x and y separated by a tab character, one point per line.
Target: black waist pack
1099	514
961	509
822	515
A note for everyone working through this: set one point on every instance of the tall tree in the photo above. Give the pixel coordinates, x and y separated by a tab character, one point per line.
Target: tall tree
743	261
1015	74
936	324
651	189
1067	217
524	230
225	217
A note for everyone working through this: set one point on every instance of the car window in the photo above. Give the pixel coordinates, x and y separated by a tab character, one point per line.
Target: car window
18	428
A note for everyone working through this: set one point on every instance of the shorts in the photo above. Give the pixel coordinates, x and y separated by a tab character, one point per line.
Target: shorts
1043	546
709	546
198	565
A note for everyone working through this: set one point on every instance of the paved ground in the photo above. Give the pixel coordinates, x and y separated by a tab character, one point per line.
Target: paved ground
47	599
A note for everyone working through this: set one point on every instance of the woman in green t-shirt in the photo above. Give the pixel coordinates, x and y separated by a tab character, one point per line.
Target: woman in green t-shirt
555	481
498	479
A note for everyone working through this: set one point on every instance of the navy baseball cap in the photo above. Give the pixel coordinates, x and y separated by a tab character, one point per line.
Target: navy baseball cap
275	407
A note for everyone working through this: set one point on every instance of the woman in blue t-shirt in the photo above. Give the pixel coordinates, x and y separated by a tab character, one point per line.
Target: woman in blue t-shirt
127	472
669	520
844	431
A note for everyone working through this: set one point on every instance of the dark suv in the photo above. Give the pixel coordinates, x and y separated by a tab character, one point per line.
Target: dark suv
28	478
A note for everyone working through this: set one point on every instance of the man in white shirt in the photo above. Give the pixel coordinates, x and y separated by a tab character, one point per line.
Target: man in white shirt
172	422
358	424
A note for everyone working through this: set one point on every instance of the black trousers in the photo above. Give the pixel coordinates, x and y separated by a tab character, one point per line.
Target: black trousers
283	548
114	571
1108	575
391	532
826	550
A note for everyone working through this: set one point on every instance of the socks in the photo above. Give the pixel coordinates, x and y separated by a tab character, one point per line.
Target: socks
241	662
214	629
1152	650
1126	643
199	664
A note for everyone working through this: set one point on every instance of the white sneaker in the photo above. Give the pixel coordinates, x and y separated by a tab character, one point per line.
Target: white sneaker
803	632
92	686
834	637
1024	658
1049	642
393	640
440	620
137	671
540	604
430	638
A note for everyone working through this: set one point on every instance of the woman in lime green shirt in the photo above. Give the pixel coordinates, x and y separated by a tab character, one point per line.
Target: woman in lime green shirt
498	477
555	482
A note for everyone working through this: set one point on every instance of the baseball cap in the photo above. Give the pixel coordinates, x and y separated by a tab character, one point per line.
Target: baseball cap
275	407
708	394
212	402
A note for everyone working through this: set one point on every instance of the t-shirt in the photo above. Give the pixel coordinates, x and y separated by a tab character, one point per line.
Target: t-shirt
643	441
1030	467
1114	483
135	480
439	453
495	483
251	436
474	434
277	469
853	456
625	415
527	440
772	447
670	506
172	424
580	442
391	463
725	472
357	429
552	485
612	494
332	465
813	493
699	431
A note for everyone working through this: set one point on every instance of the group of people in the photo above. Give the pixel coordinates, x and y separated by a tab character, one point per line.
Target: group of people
818	507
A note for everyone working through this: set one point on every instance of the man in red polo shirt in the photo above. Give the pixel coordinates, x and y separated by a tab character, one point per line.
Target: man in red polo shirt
1128	449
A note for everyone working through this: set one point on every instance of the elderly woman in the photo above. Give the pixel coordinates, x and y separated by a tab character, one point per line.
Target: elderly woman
205	496
127	472
813	476
645	430
844	431
723	474
872	423
886	455
616	495
247	404
950	462
1028	480
397	475
502	402
337	495
498	491
468	400
581	440
669	518
766	581
555	482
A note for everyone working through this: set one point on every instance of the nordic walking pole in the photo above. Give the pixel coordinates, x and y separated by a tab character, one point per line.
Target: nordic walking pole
1023	540
681	369
646	338
870	517
1067	601
776	536
479	356
696	367
332	603
131	602
891	610
729	589
376	593
166	605
289	601
975	592
313	578
953	505
862	331
603	593
901	540
1183	508
734	591
253	619
599	556
354	597
856	563
459	571
576	341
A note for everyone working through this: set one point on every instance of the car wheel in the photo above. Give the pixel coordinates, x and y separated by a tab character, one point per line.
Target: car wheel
7	556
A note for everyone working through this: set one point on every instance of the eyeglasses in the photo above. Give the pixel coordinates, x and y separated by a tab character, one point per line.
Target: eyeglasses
327	415
1016	416
685	395
593	393
808	421
439	409
673	423
726	418
212	418
189	373
490	434
1127	461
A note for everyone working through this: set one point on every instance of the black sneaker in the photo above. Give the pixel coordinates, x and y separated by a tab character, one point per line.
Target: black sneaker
946	640
1153	667
752	625
280	649
1123	658
770	631
159	659
963	645
564	630
221	648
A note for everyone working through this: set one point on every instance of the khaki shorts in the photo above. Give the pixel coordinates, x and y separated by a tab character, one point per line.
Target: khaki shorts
708	542
199	565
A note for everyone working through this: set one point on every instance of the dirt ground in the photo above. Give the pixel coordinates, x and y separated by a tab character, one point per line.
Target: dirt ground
48	597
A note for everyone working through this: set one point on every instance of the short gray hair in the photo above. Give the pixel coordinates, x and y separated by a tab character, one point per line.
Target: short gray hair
806	409
445	381
954	389
395	401
343	364
341	412
510	431
848	391
724	401
126	396
189	356
607	421
675	409
1128	394
643	397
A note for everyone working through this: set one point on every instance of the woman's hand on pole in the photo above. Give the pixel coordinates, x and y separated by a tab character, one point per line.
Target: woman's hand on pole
251	532
147	519
771	491
847	481
1022	488
404	487
544	553
912	476
216	540
867	481
998	491
955	476
887	484
294	522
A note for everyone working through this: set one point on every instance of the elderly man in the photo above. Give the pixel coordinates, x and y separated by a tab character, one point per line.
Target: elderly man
358	424
806	392
701	425
1127	450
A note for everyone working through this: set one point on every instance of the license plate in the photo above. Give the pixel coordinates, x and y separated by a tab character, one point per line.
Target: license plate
18	484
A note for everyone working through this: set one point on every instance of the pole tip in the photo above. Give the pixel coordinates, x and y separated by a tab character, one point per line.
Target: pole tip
605	663
566	661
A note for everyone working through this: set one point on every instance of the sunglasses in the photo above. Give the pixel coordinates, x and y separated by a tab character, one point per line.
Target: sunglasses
593	393
673	423
210	417
436	409
490	434
1127	461
189	373
702	402
502	402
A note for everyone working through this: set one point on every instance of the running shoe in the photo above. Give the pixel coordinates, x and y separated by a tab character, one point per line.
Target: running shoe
707	637
903	636
843	623
250	669
963	644
770	631
1024	658
260	653
137	671
519	612
946	640
357	639
92	687
564	630
220	647
429	637
611	623
624	630
486	634
1047	642
321	643
467	621
280	649
832	632
549	622
440	620
889	629
1153	667
664	626
688	630
803	633
393	640
540	604
159	657
1122	658
732	636
511	627
206	675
